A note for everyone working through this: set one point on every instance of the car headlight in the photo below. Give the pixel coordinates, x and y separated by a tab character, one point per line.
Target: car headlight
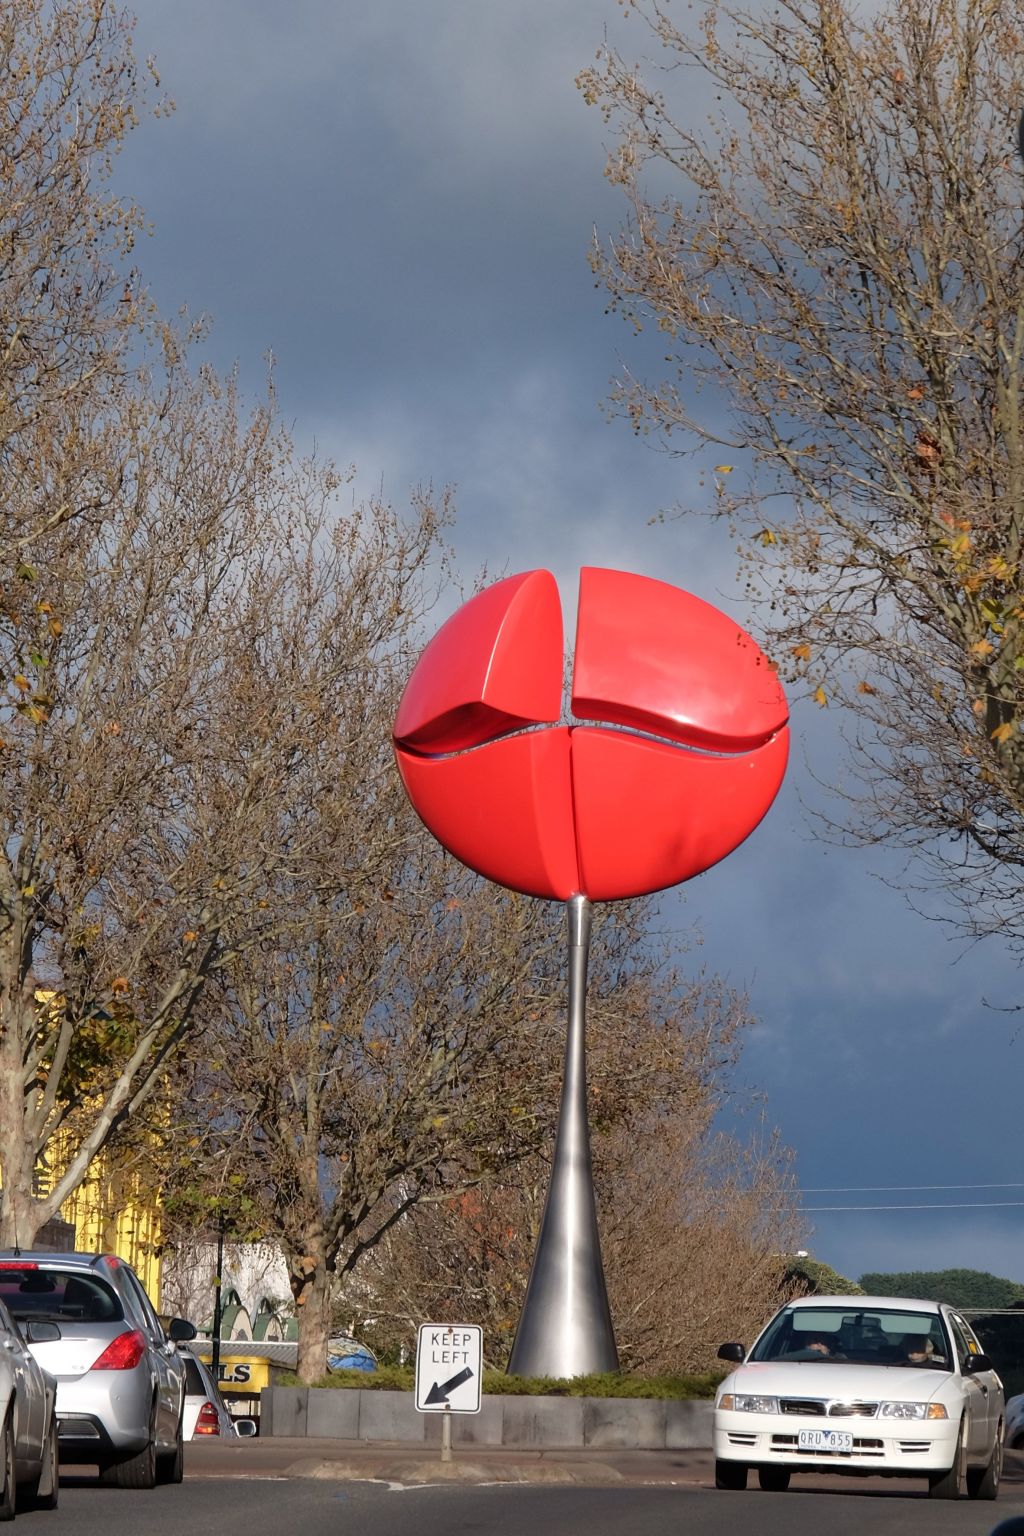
745	1402
912	1411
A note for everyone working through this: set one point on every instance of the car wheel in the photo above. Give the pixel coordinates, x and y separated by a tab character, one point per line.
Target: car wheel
138	1471
731	1475
45	1490
774	1479
947	1485
9	1496
983	1482
171	1468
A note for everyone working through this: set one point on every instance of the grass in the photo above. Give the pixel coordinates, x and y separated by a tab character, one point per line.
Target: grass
401	1378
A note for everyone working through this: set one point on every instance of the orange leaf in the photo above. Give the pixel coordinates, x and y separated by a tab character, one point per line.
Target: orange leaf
982	648
820	697
1003	732
22	682
802	652
866	688
119	984
190	937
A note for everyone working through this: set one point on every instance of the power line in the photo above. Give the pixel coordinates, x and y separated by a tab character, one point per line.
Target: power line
940	1205
879	1189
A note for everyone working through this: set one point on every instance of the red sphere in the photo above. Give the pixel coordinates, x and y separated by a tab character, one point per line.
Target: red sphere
690	753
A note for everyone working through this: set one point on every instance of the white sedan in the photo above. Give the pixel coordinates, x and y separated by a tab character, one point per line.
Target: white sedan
865	1385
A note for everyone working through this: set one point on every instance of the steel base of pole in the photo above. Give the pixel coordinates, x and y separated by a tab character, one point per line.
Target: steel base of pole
566	1327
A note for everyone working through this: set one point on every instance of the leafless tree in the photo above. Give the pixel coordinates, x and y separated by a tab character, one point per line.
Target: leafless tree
155	729
74	319
834	268
694	1228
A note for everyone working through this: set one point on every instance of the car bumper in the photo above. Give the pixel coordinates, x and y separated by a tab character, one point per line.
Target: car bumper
104	1413
885	1448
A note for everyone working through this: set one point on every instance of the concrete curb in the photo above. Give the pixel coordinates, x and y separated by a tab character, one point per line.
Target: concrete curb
517	1423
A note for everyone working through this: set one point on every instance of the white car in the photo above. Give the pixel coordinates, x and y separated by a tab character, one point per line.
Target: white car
865	1385
206	1412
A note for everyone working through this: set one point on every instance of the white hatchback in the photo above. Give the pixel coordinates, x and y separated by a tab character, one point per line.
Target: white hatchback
865	1385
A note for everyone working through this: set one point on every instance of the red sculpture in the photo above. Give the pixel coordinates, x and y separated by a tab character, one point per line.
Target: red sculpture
689	755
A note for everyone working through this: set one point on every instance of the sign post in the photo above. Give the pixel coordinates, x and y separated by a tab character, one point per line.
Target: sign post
449	1365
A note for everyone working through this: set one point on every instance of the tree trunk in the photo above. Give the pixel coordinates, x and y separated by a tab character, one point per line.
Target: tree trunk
311	1287
20	1215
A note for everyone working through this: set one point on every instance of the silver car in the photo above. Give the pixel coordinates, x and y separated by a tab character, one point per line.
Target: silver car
29	1455
120	1379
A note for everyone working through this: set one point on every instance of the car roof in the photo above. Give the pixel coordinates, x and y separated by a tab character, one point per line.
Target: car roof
858	1303
29	1256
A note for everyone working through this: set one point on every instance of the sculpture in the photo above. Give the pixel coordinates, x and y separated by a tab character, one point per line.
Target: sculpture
688	753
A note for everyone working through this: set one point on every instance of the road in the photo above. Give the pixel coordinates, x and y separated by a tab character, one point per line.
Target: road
259	1501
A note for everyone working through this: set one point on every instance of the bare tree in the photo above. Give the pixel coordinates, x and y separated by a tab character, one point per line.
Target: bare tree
151	779
694	1229
834	268
405	1044
73	316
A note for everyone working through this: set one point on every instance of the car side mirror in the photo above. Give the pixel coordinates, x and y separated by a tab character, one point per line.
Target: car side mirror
975	1363
245	1427
181	1331
732	1352
41	1333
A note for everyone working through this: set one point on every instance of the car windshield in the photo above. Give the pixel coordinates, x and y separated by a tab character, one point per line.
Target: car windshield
869	1336
57	1295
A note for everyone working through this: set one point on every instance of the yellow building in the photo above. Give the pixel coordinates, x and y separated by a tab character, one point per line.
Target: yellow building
113	1210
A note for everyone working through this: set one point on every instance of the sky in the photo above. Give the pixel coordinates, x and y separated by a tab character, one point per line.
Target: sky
396	200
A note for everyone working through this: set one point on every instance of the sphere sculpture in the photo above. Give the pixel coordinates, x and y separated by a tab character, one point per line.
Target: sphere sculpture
688	753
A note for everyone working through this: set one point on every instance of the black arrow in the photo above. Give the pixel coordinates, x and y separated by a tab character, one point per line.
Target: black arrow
443	1393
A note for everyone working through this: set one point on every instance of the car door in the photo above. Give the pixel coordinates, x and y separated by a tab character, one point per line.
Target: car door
28	1384
976	1390
989	1381
166	1360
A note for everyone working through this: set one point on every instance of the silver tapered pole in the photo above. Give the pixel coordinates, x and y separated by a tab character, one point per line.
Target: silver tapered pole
566	1327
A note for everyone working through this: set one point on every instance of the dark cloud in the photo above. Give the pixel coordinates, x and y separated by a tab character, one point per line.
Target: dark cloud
397	200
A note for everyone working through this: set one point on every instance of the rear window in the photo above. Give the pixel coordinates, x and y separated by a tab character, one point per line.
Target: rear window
195	1386
59	1295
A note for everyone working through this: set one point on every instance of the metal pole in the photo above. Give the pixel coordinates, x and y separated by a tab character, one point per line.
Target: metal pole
218	1286
566	1328
446	1433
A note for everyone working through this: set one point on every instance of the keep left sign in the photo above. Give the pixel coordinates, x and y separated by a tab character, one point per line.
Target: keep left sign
449	1366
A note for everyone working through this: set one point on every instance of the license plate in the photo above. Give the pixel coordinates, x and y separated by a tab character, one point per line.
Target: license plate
825	1440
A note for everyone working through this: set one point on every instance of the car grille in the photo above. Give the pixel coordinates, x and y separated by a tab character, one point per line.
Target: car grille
816	1408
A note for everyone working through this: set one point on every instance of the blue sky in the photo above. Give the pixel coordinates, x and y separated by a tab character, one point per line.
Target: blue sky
397	200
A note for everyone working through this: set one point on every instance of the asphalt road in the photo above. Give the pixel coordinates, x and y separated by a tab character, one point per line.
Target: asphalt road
253	1503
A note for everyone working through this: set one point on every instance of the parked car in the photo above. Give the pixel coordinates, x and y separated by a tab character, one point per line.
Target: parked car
206	1412
1014	1435
871	1386
120	1379
29	1454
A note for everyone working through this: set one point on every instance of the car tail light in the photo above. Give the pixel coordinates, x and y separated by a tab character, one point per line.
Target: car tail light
122	1353
17	1264
208	1422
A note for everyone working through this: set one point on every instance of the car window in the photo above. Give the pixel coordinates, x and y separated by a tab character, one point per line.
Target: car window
152	1322
195	1386
864	1336
57	1295
960	1343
